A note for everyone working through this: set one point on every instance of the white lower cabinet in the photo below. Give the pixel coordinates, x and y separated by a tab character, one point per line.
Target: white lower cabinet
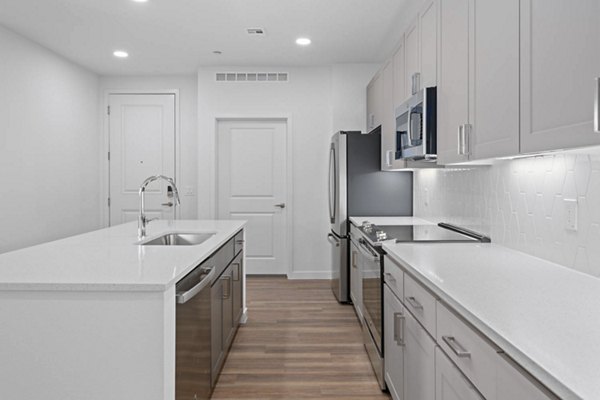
394	316
514	384
419	361
451	384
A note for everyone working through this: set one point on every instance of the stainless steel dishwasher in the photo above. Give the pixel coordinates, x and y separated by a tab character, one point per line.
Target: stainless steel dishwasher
193	330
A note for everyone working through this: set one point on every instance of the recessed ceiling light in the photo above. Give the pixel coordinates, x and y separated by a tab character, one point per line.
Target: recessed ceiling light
303	41
140	1
120	54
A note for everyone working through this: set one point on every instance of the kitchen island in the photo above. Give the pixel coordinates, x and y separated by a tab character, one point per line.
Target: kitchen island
93	316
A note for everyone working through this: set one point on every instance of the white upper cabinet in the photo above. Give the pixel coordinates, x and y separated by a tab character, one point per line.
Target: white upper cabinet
399	75
375	102
411	57
388	123
560	59
453	78
428	23
478	80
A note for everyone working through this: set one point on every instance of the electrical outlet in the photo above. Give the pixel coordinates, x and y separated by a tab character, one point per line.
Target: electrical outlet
189	191
571	214
426	197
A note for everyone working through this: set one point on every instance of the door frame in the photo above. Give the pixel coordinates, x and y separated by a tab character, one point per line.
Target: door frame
105	145
214	174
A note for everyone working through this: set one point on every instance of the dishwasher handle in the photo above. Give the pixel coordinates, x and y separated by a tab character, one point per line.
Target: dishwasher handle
184	297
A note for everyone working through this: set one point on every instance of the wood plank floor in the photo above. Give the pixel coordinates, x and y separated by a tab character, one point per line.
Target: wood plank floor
298	343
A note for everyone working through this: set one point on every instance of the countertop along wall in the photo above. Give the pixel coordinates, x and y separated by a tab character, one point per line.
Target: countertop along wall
49	159
320	101
520	203
188	122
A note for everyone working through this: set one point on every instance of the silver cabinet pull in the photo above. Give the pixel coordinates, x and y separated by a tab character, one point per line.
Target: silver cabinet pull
280	205
354	254
399	319
468	128
414	303
460	140
226	296
456	347
236	272
597	107
169	204
389	277
388	158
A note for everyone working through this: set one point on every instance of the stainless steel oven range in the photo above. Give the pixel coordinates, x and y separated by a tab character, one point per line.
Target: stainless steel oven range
371	252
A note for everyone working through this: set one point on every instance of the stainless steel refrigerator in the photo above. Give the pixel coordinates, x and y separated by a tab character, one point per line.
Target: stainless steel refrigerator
358	187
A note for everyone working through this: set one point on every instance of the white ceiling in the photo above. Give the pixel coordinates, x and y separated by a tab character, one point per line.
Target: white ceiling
178	36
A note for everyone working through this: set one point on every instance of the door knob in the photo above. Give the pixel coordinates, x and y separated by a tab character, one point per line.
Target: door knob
280	205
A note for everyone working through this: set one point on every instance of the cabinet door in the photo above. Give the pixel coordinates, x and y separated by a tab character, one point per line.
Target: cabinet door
216	323
411	61
238	289
560	59
514	384
356	280
494	97
374	101
399	75
428	39
453	77
228	327
388	123
419	361
393	319
451	384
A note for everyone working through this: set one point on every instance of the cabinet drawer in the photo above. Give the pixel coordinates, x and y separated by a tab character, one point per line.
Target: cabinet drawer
420	303
394	277
473	355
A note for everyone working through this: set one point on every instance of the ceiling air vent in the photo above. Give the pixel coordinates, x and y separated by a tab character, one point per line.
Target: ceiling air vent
252	77
255	31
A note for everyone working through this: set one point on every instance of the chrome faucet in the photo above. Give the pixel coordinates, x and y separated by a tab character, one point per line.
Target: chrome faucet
142	220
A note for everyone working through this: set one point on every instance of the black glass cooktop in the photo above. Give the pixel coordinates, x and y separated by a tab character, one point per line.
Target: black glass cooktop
420	233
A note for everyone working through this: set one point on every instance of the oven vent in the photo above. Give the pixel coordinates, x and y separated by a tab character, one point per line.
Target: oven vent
253	77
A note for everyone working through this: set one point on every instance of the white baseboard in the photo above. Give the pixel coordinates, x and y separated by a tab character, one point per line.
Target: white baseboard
310	275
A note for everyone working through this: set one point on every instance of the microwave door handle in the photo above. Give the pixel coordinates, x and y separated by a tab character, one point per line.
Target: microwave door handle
409	127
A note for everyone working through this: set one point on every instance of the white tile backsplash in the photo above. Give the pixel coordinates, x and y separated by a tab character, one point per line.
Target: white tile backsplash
520	204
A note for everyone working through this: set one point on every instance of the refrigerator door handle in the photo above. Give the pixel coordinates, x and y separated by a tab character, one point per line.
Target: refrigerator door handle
332	184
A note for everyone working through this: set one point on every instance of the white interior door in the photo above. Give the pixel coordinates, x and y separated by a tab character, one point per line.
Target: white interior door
252	172
142	143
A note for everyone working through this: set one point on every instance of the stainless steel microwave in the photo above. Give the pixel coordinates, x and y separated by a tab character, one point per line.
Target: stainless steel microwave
416	127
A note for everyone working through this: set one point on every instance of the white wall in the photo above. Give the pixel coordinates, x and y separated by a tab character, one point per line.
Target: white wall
48	145
188	118
316	112
520	203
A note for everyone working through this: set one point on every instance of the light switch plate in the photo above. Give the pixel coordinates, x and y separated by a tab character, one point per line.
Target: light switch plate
571	214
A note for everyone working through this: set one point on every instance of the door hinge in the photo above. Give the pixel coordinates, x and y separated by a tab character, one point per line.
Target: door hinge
108	110
109	201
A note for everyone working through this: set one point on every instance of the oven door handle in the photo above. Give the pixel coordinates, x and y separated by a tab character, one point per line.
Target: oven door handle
366	251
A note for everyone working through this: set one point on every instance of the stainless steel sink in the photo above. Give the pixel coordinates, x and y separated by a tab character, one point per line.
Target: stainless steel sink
179	239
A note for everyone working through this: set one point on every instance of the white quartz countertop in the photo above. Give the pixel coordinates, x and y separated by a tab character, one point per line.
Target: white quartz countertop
110	259
357	221
543	315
